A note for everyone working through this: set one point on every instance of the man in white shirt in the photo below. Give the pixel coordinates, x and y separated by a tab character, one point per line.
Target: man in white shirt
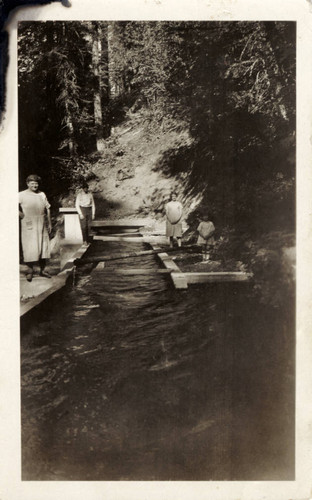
86	209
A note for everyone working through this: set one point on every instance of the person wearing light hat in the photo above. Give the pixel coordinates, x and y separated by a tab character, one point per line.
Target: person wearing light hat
34	212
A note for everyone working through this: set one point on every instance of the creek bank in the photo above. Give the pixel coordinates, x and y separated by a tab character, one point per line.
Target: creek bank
128	180
125	177
270	257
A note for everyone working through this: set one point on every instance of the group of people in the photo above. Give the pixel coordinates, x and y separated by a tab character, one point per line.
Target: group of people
205	229
34	212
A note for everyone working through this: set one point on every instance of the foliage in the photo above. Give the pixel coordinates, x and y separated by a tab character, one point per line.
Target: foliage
233	85
56	94
230	84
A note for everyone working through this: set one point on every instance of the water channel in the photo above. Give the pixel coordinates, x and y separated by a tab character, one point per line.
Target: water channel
125	378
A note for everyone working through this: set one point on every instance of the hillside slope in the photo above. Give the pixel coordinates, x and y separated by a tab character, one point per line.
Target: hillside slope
125	177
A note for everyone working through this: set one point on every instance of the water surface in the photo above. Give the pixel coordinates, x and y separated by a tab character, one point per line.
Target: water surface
126	378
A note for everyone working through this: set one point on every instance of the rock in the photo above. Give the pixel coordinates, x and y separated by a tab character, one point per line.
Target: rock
124	173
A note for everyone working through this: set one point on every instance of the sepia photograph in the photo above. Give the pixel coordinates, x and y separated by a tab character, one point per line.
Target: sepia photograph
157	249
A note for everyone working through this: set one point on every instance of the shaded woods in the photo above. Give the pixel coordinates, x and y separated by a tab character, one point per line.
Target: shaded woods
229	87
62	76
132	379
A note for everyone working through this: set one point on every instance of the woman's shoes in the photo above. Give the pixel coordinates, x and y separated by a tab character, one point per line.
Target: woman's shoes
44	274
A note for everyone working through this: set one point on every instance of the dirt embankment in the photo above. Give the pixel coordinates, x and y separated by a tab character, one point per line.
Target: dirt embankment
127	181
126	177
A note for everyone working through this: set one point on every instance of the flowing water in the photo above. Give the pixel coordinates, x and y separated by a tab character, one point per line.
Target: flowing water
125	378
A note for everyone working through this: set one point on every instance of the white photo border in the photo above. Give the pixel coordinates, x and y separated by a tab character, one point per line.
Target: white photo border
11	486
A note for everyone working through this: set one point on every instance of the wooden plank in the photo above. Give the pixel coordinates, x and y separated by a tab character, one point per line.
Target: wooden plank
178	278
119	223
168	262
55	283
133	239
33	288
71	262
115	231
68	210
110	270
154	240
214	277
116	256
156	248
124	236
99	267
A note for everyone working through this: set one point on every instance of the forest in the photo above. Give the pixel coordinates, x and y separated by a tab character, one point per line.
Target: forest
123	376
138	108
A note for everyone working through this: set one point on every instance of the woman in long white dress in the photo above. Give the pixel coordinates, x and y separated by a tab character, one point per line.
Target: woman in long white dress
174	213
36	226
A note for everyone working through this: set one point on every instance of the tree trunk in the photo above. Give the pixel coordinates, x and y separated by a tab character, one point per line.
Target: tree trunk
68	119
96	63
116	59
70	130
